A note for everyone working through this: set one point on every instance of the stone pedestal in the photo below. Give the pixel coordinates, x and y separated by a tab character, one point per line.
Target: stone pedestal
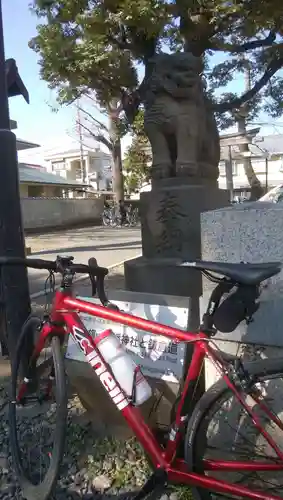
171	230
251	233
106	418
170	220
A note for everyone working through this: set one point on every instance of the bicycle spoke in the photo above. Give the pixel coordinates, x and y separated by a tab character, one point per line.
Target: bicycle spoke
231	435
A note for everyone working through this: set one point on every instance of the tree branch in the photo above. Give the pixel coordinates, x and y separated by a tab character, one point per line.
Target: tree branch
97	122
122	45
76	97
254	44
272	68
73	136
114	112
131	102
224	22
98	137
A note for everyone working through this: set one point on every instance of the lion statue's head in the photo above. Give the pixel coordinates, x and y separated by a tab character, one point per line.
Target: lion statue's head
176	74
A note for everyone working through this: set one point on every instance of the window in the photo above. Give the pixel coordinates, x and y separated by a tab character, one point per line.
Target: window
234	168
222	168
58	166
57	192
35	191
80	169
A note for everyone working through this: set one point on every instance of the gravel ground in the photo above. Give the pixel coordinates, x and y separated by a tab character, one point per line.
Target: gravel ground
93	466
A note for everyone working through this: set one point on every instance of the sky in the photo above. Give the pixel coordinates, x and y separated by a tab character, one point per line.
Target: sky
36	122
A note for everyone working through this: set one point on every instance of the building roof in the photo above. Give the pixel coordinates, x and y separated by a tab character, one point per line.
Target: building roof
272	143
38	175
25	145
73	151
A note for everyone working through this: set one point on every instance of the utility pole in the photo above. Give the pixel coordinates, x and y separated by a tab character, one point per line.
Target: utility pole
14	289
83	172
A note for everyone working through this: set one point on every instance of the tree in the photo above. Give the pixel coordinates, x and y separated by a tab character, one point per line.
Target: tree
138	158
265	101
92	128
74	64
97	45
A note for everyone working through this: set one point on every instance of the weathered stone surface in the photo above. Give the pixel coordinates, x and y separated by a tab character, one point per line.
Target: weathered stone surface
106	419
170	221
162	276
178	122
171	232
250	233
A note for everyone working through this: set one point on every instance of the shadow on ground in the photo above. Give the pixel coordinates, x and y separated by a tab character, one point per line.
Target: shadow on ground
111	246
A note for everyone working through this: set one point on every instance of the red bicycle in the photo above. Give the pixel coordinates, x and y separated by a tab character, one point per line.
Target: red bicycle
239	397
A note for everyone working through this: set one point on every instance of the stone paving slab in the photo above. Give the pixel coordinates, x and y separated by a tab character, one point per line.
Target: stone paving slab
108	245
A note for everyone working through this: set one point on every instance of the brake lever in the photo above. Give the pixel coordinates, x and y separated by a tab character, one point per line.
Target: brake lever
102	295
93	285
99	288
101	292
92	263
97	283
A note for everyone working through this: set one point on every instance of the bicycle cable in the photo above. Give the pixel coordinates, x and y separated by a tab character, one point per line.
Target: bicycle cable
50	280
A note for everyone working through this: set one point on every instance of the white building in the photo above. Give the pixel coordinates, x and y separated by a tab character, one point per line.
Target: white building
36	182
267	161
97	166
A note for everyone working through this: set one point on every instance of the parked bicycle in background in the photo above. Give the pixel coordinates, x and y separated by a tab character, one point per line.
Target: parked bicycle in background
132	216
120	215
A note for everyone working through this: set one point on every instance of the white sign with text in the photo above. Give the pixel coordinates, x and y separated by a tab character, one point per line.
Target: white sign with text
158	356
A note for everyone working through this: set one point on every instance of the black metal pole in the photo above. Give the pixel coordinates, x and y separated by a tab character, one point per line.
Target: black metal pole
14	298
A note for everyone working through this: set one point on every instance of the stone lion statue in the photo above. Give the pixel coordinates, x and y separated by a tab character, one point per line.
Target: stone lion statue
178	122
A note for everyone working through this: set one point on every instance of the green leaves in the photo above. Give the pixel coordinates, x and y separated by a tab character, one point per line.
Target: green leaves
97	44
77	51
137	161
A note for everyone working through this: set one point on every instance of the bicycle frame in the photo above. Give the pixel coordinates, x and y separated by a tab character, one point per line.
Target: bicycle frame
64	319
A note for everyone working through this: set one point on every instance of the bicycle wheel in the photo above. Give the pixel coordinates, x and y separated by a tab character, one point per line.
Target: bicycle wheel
47	387
221	429
105	220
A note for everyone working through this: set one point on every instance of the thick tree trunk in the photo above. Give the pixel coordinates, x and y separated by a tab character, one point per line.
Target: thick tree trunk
256	188
117	170
118	180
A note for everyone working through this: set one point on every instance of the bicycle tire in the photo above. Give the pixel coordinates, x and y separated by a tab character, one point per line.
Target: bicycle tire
105	221
194	432
45	488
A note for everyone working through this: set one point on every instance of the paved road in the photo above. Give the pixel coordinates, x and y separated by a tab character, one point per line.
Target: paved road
108	245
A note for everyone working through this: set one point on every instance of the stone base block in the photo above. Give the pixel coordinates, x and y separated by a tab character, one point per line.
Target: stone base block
161	276
170	219
105	417
250	232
